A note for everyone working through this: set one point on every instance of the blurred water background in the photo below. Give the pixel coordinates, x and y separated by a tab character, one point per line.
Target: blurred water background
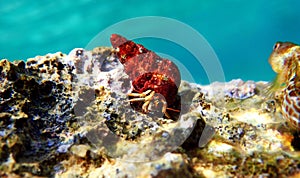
242	33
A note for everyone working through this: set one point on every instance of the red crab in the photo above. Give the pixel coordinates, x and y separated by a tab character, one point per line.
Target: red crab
153	78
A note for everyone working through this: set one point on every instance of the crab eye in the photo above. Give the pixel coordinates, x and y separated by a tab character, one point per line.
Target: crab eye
276	46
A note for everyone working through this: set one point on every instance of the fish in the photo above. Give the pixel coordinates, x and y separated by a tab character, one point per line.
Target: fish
285	61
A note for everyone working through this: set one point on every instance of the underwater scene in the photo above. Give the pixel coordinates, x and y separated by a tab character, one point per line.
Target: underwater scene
150	89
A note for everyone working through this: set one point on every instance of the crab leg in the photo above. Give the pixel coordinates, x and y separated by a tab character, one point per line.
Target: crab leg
147	96
143	97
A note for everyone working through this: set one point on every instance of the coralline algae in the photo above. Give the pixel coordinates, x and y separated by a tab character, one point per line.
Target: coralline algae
69	115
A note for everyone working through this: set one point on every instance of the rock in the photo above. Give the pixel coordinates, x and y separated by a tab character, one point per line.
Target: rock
69	115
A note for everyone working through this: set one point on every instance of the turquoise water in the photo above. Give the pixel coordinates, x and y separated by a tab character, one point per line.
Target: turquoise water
242	33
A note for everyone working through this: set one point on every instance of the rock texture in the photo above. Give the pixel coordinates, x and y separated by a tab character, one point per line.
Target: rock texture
69	116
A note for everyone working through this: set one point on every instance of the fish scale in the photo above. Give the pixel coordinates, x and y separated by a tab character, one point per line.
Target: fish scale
291	103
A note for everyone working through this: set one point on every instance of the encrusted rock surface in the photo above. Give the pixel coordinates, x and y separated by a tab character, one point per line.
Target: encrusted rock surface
69	116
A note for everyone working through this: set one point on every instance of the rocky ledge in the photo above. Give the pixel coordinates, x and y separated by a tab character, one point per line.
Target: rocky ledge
69	116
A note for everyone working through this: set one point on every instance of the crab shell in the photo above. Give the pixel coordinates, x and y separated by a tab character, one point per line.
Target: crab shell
159	83
146	69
